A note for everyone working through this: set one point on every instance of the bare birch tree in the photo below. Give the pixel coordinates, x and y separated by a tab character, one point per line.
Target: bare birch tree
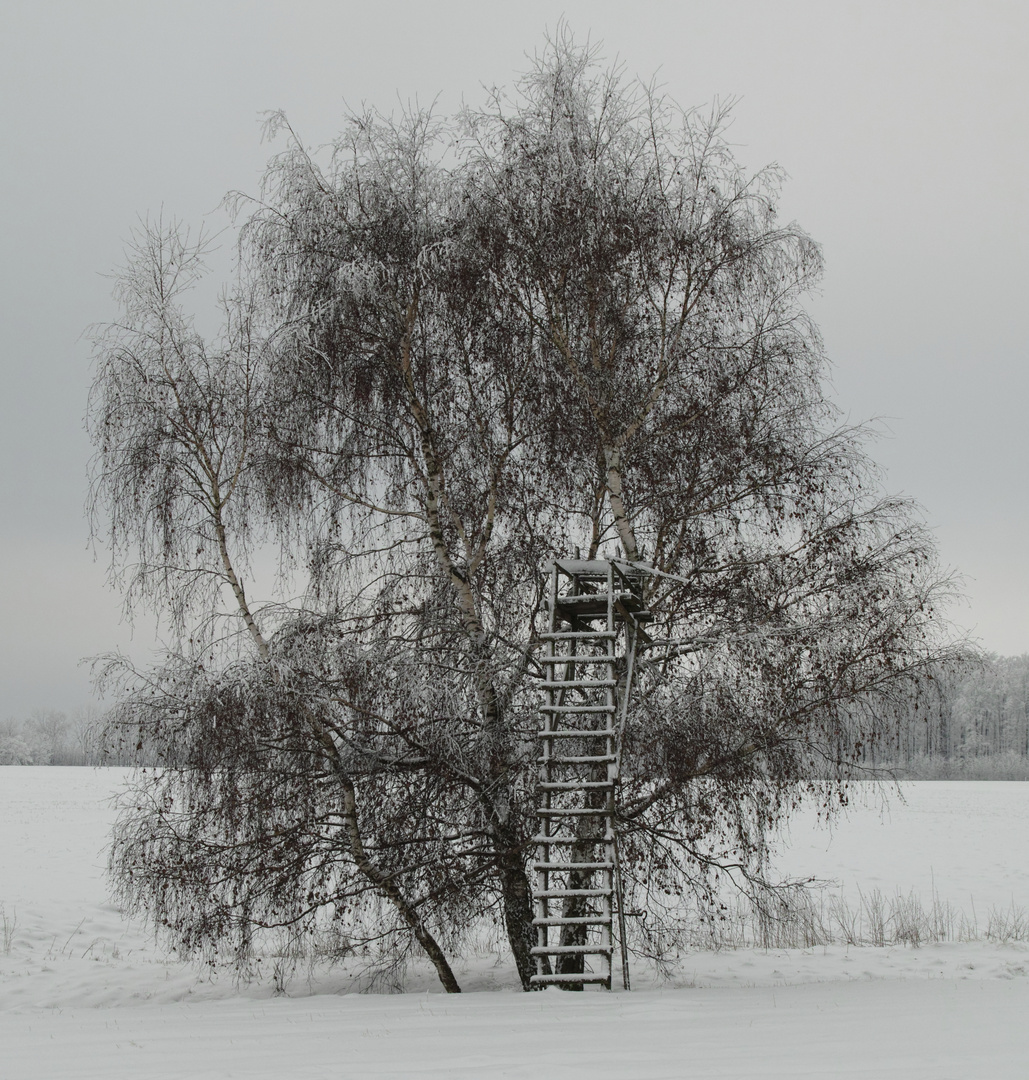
689	427
567	320
212	849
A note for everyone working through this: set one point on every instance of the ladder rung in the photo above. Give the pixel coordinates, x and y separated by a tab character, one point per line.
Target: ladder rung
577	811
558	894
572	950
584	597
573	920
607	838
542	980
580	635
574	733
576	785
573	866
576	658
576	684
601	759
578	708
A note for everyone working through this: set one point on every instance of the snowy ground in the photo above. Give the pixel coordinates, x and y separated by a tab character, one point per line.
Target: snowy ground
83	993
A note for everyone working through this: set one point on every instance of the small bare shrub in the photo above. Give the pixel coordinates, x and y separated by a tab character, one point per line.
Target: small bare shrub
804	918
8	925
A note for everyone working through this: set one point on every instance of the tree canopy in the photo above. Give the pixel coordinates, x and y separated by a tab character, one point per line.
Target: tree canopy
457	349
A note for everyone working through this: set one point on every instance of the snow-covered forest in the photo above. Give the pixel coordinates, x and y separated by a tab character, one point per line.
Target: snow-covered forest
971	721
51	737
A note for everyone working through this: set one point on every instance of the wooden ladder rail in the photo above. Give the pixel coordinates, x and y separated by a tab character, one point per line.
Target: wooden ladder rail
565	721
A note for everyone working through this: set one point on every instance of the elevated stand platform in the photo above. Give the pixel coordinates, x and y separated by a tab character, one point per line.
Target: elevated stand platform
596	614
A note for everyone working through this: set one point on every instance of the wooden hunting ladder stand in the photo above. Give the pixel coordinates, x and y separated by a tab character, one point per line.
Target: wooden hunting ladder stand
596	609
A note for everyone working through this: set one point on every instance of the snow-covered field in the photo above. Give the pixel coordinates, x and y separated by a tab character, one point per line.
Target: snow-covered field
84	993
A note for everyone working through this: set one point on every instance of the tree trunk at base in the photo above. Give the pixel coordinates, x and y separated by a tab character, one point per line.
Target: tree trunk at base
516	896
392	892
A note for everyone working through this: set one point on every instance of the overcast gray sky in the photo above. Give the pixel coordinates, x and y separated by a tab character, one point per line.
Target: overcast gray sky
904	128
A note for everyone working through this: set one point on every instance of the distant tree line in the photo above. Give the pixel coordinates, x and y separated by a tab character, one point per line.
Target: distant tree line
971	718
50	737
966	720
